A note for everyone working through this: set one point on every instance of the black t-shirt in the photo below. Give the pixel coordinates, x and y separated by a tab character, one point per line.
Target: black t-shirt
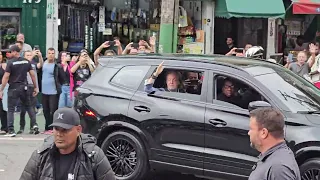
66	75
18	69
65	165
80	76
236	100
2	71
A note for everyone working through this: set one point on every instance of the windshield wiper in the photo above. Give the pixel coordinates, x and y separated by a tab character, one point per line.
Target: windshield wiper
285	95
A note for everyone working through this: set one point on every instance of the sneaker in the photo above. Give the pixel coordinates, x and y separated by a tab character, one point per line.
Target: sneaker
11	134
20	131
35	130
39	112
3	132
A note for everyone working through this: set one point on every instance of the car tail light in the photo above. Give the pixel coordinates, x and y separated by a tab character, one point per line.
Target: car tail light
89	113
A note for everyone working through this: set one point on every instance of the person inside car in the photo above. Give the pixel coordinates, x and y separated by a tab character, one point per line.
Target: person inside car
193	83
228	94
172	81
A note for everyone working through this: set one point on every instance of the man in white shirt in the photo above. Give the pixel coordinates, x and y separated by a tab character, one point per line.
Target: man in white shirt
25	46
315	73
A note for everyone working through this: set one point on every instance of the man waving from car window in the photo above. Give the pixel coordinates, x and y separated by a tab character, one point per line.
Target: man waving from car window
172	81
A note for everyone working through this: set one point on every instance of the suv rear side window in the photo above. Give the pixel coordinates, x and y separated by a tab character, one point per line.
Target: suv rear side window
130	76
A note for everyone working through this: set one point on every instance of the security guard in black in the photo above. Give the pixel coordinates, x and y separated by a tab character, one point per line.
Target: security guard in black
16	76
18	69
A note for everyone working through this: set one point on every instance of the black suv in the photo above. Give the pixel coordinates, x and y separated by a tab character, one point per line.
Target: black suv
142	129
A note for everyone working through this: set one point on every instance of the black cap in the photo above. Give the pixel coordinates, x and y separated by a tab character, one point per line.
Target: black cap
14	48
65	118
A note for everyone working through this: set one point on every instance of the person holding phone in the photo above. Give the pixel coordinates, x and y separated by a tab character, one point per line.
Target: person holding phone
65	99
37	61
131	48
82	70
239	52
108	44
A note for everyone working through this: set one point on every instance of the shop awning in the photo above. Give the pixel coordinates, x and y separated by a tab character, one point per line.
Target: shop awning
250	8
306	6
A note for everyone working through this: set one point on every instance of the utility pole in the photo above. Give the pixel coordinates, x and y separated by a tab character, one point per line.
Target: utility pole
169	26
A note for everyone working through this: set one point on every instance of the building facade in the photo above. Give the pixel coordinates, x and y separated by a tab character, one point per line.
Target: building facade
23	16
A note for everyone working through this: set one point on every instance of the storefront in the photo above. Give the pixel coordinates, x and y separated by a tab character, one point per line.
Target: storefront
129	20
187	26
87	24
76	25
302	20
25	16
195	35
247	21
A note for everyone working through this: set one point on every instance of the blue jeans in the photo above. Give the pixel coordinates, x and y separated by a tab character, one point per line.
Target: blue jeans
65	100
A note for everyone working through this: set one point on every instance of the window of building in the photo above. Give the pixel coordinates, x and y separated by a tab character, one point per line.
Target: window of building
9	28
130	76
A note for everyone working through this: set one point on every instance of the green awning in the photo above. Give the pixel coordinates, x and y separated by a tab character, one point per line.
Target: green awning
250	8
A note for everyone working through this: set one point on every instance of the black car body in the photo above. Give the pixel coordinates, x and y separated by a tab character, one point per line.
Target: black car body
194	134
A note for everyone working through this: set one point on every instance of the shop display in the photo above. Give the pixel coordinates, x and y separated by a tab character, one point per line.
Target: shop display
76	20
190	39
130	22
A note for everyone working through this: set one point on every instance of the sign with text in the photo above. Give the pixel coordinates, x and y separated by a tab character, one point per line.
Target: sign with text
30	1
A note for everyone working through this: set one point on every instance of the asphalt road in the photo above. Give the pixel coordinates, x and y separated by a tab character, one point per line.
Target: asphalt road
15	152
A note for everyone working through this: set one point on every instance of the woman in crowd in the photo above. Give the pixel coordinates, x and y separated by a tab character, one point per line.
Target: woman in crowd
65	100
81	70
3	104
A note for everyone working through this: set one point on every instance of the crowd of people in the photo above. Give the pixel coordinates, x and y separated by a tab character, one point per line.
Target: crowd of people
24	72
56	78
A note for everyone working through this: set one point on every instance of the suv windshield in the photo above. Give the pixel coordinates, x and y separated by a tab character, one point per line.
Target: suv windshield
298	94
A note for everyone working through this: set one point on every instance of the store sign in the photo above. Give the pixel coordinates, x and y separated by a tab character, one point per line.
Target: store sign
30	1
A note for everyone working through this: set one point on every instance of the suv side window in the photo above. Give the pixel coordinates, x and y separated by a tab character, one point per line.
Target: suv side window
130	76
188	84
233	92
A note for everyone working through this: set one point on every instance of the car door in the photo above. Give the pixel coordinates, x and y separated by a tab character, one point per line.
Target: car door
174	124
227	144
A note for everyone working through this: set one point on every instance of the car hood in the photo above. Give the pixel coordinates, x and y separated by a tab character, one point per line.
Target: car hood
314	118
302	128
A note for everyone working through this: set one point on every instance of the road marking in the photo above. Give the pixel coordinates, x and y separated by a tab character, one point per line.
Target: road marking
21	139
1	170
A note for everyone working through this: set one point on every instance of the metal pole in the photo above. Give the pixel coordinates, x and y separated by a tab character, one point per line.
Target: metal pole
169	26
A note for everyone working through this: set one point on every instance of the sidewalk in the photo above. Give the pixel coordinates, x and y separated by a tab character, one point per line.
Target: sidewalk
40	121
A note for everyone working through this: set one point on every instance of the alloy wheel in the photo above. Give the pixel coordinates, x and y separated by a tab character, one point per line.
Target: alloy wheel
311	174
122	157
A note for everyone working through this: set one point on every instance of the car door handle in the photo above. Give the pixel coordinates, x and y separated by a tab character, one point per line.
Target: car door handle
218	122
141	108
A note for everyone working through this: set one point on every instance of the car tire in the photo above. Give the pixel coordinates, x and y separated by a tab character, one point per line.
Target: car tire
311	165
132	142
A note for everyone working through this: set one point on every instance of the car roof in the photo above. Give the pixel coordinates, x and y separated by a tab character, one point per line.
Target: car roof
252	66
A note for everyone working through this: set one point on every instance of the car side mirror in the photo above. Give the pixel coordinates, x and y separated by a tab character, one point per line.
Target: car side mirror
258	104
